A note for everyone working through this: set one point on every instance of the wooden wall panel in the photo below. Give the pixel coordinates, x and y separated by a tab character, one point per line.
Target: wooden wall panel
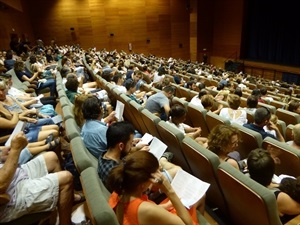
13	22
164	23
227	29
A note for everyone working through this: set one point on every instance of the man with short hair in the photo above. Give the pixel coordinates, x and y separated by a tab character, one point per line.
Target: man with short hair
120	142
159	103
261	118
94	130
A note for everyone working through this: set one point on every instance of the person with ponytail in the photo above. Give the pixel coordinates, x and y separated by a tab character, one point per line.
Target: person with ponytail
131	179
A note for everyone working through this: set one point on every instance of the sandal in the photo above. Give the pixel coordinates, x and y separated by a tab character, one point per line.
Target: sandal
49	139
55	144
80	200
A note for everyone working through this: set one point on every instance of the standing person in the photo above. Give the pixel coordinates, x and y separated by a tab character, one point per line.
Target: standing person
159	103
129	181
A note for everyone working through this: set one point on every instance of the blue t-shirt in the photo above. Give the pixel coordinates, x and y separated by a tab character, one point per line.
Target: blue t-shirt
93	133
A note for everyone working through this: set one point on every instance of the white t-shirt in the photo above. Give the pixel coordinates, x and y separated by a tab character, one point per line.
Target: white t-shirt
232	116
197	102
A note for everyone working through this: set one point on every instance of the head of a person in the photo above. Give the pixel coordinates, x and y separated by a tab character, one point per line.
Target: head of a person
177	114
252	102
234	101
133	173
9	55
238	91
294	106
256	92
296	134
291	186
201	86
261	166
262	116
202	93
120	135
118	78
3	90
7	79
130	86
207	101
92	108
191	84
263	91
169	90
137	75
19	65
32	59
77	109
223	139
72	84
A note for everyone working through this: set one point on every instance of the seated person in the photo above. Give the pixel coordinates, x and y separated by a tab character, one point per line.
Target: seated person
11	112
223	140
268	128
94	130
71	88
262	118
130	91
295	143
119	80
252	102
33	78
159	103
25	98
294	106
44	186
177	118
261	168
234	114
131	179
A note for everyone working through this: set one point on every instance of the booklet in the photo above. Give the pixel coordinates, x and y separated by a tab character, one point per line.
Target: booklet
146	139
57	119
189	188
119	111
19	127
157	147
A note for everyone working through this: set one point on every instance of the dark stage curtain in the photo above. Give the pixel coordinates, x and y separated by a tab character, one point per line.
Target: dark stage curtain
271	32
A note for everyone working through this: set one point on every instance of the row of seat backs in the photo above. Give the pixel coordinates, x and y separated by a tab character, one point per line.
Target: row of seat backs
236	196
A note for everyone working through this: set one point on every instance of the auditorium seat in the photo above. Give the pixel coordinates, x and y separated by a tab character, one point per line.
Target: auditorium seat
72	130
250	140
196	118
150	120
204	164
287	116
138	123
287	156
97	197
248	202
173	137
83	159
213	120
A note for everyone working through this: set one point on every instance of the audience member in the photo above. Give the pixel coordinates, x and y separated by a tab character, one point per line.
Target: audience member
44	186
177	117
295	143
234	113
252	102
223	140
262	117
294	106
261	168
131	179
159	103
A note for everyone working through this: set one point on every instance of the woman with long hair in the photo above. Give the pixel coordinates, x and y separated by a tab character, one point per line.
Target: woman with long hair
131	179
